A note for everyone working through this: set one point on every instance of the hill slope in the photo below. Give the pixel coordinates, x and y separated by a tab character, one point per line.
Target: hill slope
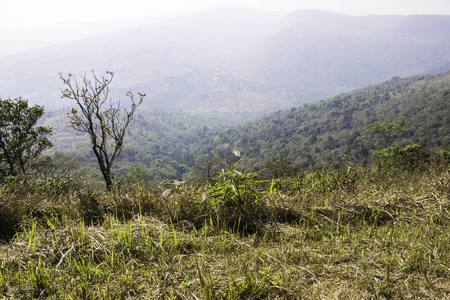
339	128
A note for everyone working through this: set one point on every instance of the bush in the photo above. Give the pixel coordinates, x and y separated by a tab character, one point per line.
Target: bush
409	158
10	218
236	189
237	196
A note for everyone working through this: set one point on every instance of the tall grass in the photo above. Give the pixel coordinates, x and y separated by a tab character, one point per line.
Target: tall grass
358	233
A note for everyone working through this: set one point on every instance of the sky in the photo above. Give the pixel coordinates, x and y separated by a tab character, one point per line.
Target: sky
33	14
29	24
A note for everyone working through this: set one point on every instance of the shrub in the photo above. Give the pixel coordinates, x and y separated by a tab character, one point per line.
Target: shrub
408	158
237	197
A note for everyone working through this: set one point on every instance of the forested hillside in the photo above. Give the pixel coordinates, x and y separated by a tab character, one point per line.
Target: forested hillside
165	143
338	129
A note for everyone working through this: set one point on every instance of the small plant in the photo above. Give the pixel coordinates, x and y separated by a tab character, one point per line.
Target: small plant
2	279
236	189
38	278
237	196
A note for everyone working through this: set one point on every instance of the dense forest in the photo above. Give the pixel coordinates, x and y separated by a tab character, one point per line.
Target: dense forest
168	144
339	128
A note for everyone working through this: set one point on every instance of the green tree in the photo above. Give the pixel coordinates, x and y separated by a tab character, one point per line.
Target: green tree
280	165
411	157
21	141
136	175
106	126
389	131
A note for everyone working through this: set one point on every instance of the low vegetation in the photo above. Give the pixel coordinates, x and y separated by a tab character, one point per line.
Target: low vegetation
380	231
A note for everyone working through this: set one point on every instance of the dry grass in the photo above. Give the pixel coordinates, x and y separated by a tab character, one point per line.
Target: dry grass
321	235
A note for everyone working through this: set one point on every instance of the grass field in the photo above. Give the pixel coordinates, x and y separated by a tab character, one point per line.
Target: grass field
360	233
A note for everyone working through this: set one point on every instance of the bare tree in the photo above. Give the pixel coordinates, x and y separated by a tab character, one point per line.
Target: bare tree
103	125
207	168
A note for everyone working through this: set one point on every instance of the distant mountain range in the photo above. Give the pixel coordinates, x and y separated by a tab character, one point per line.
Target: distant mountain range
232	59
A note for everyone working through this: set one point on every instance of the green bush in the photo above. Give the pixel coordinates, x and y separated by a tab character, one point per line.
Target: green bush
409	158
237	189
236	198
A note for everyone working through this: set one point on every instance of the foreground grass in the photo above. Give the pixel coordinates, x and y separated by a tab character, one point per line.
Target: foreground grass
325	235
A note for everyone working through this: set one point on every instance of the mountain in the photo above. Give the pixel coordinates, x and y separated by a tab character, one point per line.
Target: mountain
316	54
232	59
188	62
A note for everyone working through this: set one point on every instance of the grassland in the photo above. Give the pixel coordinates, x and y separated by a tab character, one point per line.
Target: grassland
359	233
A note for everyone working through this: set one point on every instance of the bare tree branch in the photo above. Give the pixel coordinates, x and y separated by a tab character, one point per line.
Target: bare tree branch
102	125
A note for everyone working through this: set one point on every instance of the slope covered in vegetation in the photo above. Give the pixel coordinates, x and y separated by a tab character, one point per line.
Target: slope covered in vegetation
370	231
339	130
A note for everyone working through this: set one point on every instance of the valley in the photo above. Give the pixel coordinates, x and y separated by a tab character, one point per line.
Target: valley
167	143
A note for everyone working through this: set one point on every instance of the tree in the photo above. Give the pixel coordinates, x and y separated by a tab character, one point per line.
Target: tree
280	165
57	165
206	168
388	131
21	141
105	127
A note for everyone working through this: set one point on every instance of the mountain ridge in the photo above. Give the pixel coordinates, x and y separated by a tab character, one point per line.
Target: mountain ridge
231	62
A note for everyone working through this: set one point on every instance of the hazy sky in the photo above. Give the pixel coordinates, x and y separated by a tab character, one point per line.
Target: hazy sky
34	14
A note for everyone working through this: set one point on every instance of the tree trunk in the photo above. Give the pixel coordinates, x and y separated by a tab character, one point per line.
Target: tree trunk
108	180
105	170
